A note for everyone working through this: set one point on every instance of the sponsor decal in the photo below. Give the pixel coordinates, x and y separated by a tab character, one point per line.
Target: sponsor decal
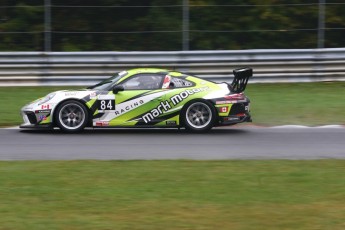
68	94
165	106
43	111
42	117
102	123
237	96
225	102
162	107
184	94
129	107
230	102
93	95
231	118
170	122
43	107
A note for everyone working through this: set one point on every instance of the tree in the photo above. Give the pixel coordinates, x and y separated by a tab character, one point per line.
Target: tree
21	27
143	25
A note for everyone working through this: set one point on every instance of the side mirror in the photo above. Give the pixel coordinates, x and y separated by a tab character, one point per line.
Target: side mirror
118	88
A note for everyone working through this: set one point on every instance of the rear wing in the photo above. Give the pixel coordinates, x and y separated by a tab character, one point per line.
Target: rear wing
241	78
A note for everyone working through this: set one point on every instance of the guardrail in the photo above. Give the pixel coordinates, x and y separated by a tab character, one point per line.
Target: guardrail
85	68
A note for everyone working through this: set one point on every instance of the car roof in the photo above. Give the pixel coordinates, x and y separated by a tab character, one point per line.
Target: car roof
173	73
147	70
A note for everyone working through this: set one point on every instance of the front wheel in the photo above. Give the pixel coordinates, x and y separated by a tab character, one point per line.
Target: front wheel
71	116
199	116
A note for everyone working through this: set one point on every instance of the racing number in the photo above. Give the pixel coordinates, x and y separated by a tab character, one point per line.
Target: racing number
106	105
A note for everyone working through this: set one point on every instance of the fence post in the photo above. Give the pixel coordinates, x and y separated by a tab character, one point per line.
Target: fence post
185	25
321	25
47	25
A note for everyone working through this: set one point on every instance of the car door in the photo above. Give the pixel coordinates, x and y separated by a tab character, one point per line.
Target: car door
142	93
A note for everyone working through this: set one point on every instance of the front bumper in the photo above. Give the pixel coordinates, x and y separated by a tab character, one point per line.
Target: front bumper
34	116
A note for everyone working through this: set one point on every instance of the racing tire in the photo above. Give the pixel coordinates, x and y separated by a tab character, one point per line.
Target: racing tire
71	116
198	116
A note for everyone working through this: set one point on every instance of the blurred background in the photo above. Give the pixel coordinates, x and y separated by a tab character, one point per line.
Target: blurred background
169	25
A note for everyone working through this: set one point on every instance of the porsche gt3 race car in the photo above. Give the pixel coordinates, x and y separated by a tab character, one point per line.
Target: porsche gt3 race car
144	97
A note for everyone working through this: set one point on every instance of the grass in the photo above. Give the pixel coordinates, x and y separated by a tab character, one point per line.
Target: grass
12	99
298	103
272	104
172	195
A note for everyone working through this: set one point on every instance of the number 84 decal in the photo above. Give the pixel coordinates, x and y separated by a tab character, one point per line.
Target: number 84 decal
106	102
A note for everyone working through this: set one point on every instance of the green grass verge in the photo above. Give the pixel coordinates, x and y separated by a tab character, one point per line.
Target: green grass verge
298	103
12	99
172	195
272	104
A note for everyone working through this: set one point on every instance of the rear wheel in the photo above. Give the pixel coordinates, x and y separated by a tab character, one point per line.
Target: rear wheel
199	116
71	116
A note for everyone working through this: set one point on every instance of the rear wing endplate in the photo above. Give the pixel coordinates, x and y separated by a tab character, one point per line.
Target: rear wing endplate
241	78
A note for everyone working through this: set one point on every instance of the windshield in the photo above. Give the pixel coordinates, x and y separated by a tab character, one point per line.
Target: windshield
105	84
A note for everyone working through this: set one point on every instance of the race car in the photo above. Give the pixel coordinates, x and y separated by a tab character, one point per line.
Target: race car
144	97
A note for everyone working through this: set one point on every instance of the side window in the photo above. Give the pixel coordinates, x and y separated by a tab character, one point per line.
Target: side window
180	83
144	81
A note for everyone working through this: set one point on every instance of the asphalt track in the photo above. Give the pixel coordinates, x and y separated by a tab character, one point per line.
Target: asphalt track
147	144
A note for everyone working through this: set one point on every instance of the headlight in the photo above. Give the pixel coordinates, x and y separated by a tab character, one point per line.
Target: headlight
46	98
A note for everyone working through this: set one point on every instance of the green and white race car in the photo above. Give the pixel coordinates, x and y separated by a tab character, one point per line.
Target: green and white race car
144	97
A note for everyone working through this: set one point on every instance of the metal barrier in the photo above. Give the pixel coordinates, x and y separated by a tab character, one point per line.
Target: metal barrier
85	68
